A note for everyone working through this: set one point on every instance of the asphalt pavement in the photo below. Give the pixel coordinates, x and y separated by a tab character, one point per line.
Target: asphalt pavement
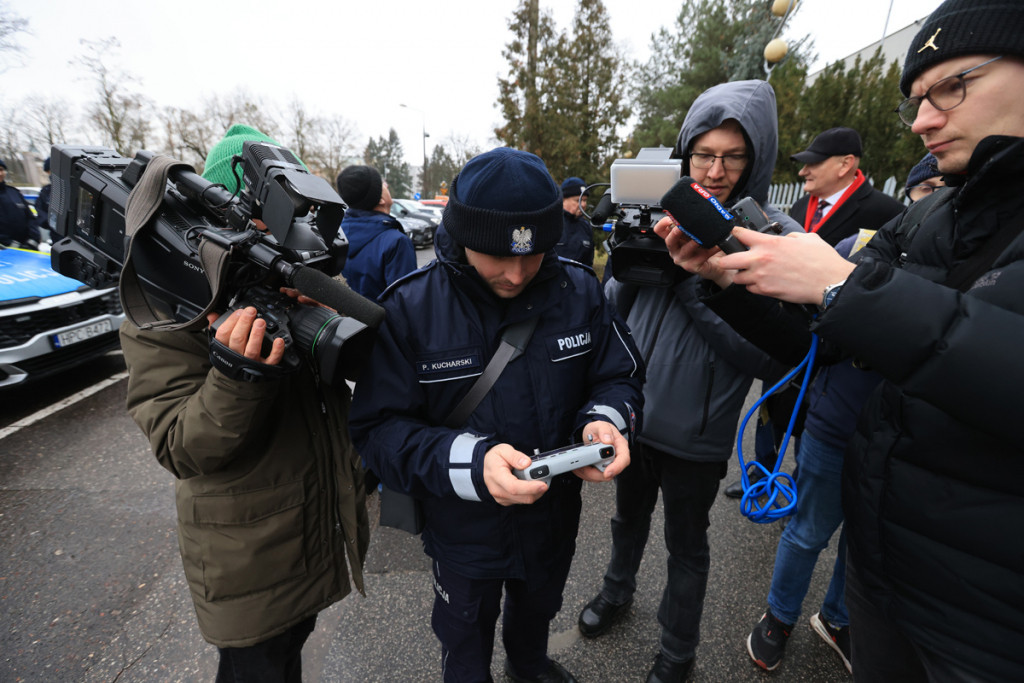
92	589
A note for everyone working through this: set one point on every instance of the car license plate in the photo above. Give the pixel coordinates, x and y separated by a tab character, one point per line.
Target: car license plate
80	334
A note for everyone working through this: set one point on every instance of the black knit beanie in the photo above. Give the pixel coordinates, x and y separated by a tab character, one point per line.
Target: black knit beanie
504	203
965	27
361	187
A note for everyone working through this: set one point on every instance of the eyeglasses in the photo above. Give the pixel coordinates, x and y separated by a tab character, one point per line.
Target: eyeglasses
943	95
922	190
731	162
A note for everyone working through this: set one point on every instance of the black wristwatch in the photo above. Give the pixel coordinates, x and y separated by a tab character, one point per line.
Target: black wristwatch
830	294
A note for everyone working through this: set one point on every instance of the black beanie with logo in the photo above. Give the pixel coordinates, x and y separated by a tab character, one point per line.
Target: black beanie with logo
965	27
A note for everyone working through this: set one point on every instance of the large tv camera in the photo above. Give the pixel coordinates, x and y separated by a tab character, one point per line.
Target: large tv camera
635	202
630	209
201	248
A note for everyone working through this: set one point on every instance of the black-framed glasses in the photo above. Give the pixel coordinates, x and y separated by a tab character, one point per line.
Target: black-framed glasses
943	95
731	162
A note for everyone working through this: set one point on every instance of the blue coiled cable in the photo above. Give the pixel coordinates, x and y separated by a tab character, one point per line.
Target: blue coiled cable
778	488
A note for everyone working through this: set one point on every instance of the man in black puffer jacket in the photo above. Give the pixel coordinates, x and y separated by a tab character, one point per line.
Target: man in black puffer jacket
932	481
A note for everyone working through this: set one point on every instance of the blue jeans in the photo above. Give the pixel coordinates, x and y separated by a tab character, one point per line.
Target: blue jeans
819	513
688	491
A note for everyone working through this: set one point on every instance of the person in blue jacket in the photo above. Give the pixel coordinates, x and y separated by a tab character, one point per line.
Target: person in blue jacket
379	252
16	219
578	380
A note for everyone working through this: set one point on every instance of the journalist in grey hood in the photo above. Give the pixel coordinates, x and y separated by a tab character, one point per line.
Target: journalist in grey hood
752	105
699	369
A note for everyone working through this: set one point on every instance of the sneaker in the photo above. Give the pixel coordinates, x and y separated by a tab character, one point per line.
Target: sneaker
837	638
599	615
767	642
667	671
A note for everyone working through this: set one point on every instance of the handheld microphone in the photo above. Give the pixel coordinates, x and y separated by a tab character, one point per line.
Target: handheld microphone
603	210
702	217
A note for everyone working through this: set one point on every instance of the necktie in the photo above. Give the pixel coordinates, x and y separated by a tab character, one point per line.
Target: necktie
822	205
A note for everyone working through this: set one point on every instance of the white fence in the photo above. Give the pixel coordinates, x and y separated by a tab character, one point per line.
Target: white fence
782	197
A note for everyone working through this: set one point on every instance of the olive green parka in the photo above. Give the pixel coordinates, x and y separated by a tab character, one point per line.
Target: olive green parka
270	493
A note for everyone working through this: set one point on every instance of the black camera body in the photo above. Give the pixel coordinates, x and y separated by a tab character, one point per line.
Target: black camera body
636	197
638	255
301	214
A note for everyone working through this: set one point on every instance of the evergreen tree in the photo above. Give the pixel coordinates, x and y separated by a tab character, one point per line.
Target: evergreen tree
441	169
712	42
587	103
525	96
387	156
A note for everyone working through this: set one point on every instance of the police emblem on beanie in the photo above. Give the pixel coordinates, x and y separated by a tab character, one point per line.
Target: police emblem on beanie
504	203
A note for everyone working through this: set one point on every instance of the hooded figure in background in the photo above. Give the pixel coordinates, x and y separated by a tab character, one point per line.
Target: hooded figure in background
699	373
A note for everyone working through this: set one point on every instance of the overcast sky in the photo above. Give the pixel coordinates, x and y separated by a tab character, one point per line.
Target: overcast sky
360	60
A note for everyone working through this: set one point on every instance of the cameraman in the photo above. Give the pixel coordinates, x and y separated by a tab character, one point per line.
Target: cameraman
269	491
699	373
931	481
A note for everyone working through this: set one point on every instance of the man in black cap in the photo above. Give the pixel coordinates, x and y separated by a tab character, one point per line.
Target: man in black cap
577	241
931	483
16	219
577	380
839	200
379	251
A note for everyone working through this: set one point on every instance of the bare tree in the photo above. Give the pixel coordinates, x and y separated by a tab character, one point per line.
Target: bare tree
303	129
11	25
240	106
49	121
119	113
336	146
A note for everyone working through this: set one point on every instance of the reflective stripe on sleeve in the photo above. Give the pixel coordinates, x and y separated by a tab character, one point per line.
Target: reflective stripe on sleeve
613	415
460	462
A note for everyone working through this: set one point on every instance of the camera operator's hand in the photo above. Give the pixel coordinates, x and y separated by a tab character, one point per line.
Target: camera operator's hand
600	431
795	267
243	333
506	487
691	257
303	299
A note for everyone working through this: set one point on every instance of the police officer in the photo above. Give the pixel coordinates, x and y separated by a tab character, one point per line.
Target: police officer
578	379
15	215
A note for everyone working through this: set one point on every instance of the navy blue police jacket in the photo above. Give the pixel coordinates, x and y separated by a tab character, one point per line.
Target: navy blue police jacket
443	325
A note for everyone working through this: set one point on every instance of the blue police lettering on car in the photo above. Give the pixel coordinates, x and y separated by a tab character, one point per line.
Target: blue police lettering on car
449	364
569	344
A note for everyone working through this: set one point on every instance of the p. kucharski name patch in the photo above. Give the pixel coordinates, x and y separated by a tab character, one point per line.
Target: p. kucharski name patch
566	345
449	365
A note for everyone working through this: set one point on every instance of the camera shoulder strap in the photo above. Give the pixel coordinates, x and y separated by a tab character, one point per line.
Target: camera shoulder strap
513	343
143	202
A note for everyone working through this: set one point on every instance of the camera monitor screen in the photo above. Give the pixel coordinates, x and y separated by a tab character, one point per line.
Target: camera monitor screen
643	181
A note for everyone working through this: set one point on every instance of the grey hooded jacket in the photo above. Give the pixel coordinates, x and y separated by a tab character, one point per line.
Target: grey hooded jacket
698	369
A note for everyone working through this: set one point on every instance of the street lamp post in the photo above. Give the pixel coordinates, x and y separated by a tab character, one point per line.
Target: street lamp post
423	129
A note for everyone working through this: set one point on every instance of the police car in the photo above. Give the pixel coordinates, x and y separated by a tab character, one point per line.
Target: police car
49	322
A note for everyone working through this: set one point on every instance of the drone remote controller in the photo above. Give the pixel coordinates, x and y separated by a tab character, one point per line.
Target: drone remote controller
562	460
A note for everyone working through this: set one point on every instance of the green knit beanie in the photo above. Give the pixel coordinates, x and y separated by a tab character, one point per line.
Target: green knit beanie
218	161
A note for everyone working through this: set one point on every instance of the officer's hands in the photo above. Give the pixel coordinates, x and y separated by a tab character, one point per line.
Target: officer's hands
605	432
243	333
505	487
